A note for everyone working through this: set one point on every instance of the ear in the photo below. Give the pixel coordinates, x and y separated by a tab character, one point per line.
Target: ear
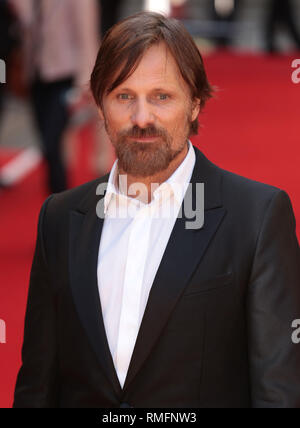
195	108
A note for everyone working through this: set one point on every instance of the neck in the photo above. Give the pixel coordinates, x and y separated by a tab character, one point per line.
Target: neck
144	193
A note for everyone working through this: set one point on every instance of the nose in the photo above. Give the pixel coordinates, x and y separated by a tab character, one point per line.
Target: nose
142	114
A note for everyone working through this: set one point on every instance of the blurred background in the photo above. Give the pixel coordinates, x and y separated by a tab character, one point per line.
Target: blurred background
51	137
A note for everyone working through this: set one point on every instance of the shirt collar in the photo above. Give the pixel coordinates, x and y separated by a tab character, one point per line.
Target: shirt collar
176	184
178	181
112	188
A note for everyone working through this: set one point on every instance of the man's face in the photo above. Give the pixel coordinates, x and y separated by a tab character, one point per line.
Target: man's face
148	116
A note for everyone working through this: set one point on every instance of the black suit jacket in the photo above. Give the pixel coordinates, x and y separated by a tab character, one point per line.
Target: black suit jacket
217	326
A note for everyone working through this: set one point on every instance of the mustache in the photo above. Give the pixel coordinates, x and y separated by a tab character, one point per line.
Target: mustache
149	131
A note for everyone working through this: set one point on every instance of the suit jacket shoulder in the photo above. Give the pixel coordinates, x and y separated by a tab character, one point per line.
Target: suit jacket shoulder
76	198
248	197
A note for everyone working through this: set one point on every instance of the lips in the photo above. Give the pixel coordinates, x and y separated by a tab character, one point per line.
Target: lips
144	139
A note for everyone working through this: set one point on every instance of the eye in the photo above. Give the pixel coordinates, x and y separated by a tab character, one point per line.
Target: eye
162	97
124	97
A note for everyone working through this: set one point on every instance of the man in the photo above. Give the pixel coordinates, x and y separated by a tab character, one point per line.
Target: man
131	309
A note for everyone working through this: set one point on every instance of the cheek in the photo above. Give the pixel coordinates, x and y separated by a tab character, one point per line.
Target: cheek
120	111
114	121
115	114
178	122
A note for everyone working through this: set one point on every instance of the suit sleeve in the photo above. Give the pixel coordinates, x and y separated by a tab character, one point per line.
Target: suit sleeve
37	385
273	303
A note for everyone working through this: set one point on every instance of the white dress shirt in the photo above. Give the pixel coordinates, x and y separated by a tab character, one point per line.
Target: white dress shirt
133	241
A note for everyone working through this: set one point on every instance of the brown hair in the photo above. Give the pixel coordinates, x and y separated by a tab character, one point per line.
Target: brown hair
125	43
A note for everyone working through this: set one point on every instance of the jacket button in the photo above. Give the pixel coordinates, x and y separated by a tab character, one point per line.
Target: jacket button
125	405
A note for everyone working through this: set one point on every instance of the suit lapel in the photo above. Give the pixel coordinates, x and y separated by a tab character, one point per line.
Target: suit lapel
184	252
85	235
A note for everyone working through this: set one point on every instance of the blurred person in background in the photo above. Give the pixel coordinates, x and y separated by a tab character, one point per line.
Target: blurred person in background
281	12
224	13
8	38
109	13
61	42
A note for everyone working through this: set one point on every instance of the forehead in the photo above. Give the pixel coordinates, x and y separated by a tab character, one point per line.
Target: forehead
156	69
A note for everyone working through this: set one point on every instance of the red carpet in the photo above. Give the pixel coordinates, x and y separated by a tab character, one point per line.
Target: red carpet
251	129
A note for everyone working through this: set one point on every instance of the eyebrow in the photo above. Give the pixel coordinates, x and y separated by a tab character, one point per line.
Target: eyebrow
153	90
